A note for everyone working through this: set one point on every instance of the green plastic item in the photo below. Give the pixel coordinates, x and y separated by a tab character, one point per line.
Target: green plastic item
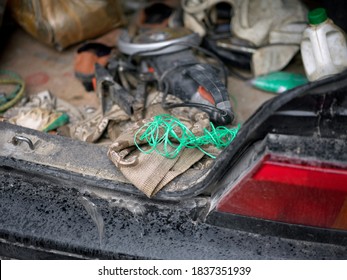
278	82
58	122
317	16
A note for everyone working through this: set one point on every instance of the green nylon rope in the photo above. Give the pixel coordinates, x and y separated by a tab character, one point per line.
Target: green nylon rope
17	94
167	136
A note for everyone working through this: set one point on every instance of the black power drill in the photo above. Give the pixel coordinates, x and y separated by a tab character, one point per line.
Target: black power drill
167	56
197	84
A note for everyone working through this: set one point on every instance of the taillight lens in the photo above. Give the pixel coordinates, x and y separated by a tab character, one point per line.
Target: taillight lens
292	192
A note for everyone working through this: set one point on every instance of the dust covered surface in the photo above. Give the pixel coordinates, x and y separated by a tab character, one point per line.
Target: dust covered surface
48	219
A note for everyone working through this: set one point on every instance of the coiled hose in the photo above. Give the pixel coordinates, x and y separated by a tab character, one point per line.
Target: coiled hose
11	78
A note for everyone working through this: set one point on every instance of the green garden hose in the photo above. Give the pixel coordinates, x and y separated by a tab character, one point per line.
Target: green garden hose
11	79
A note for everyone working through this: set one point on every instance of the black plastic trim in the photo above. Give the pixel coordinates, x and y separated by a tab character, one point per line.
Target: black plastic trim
284	230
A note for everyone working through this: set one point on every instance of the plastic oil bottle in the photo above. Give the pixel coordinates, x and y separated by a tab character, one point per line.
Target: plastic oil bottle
323	46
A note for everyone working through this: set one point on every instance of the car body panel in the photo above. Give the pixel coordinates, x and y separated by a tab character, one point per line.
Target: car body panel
57	202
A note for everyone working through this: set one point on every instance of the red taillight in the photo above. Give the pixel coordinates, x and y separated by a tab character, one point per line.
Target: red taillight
291	192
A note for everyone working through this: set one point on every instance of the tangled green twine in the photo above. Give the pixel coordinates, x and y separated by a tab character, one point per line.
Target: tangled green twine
167	136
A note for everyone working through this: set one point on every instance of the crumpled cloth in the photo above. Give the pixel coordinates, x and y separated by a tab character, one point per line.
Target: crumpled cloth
45	100
36	118
92	128
41	110
115	121
148	172
151	172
